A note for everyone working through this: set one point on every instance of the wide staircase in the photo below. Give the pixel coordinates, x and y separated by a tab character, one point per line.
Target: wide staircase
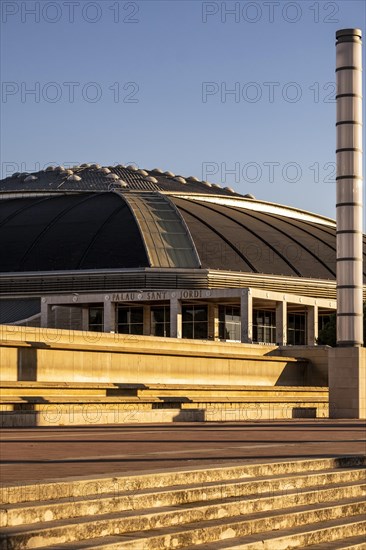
29	404
318	504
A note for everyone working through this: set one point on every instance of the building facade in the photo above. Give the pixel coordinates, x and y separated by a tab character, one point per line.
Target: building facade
119	249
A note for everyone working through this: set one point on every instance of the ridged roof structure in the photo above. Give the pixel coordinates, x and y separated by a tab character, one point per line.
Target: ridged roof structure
98	218
93	177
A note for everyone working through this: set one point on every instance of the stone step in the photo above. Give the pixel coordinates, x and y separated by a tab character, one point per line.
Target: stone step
344	533
280	540
75	487
205	534
350	543
259	391
55	391
40	534
55	415
88	389
119	500
44	400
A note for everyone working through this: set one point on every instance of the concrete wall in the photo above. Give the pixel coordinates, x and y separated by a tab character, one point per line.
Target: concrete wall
347	382
55	355
317	371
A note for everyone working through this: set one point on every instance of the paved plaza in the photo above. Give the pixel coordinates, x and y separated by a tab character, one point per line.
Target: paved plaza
49	453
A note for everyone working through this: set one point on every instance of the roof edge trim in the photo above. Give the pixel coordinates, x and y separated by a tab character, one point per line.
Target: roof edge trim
261	206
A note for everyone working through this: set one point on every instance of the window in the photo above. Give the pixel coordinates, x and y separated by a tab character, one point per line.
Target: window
195	322
323	320
96	319
160	321
130	320
229	323
264	326
296	329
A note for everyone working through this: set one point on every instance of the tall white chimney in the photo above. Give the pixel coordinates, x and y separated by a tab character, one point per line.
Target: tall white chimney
349	187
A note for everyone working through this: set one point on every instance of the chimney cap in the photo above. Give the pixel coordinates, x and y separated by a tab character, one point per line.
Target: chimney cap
348	35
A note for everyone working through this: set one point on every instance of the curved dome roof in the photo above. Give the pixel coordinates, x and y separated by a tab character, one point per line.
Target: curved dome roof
68	232
121	218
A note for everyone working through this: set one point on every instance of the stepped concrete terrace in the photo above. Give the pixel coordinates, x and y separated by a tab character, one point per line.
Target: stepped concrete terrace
61	377
27	404
204	486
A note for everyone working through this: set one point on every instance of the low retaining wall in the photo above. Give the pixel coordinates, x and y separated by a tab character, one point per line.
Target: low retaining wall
29	353
86	415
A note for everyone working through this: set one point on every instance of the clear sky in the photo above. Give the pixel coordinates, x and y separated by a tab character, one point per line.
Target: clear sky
238	93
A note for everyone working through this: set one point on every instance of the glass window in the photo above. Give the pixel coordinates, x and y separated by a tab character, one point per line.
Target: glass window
323	320
96	319
229	323
195	322
160	321
200	314
296	329
130	320
264	326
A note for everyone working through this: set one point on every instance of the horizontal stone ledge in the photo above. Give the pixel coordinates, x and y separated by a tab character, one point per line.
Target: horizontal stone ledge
156	387
206	401
224	353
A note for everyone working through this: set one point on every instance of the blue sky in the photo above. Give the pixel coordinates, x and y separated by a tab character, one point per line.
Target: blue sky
239	93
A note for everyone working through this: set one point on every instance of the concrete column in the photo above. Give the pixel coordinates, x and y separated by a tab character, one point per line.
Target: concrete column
147	320
109	316
216	322
85	318
45	309
175	318
347	362
312	325
349	187
213	321
246	314
281	323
